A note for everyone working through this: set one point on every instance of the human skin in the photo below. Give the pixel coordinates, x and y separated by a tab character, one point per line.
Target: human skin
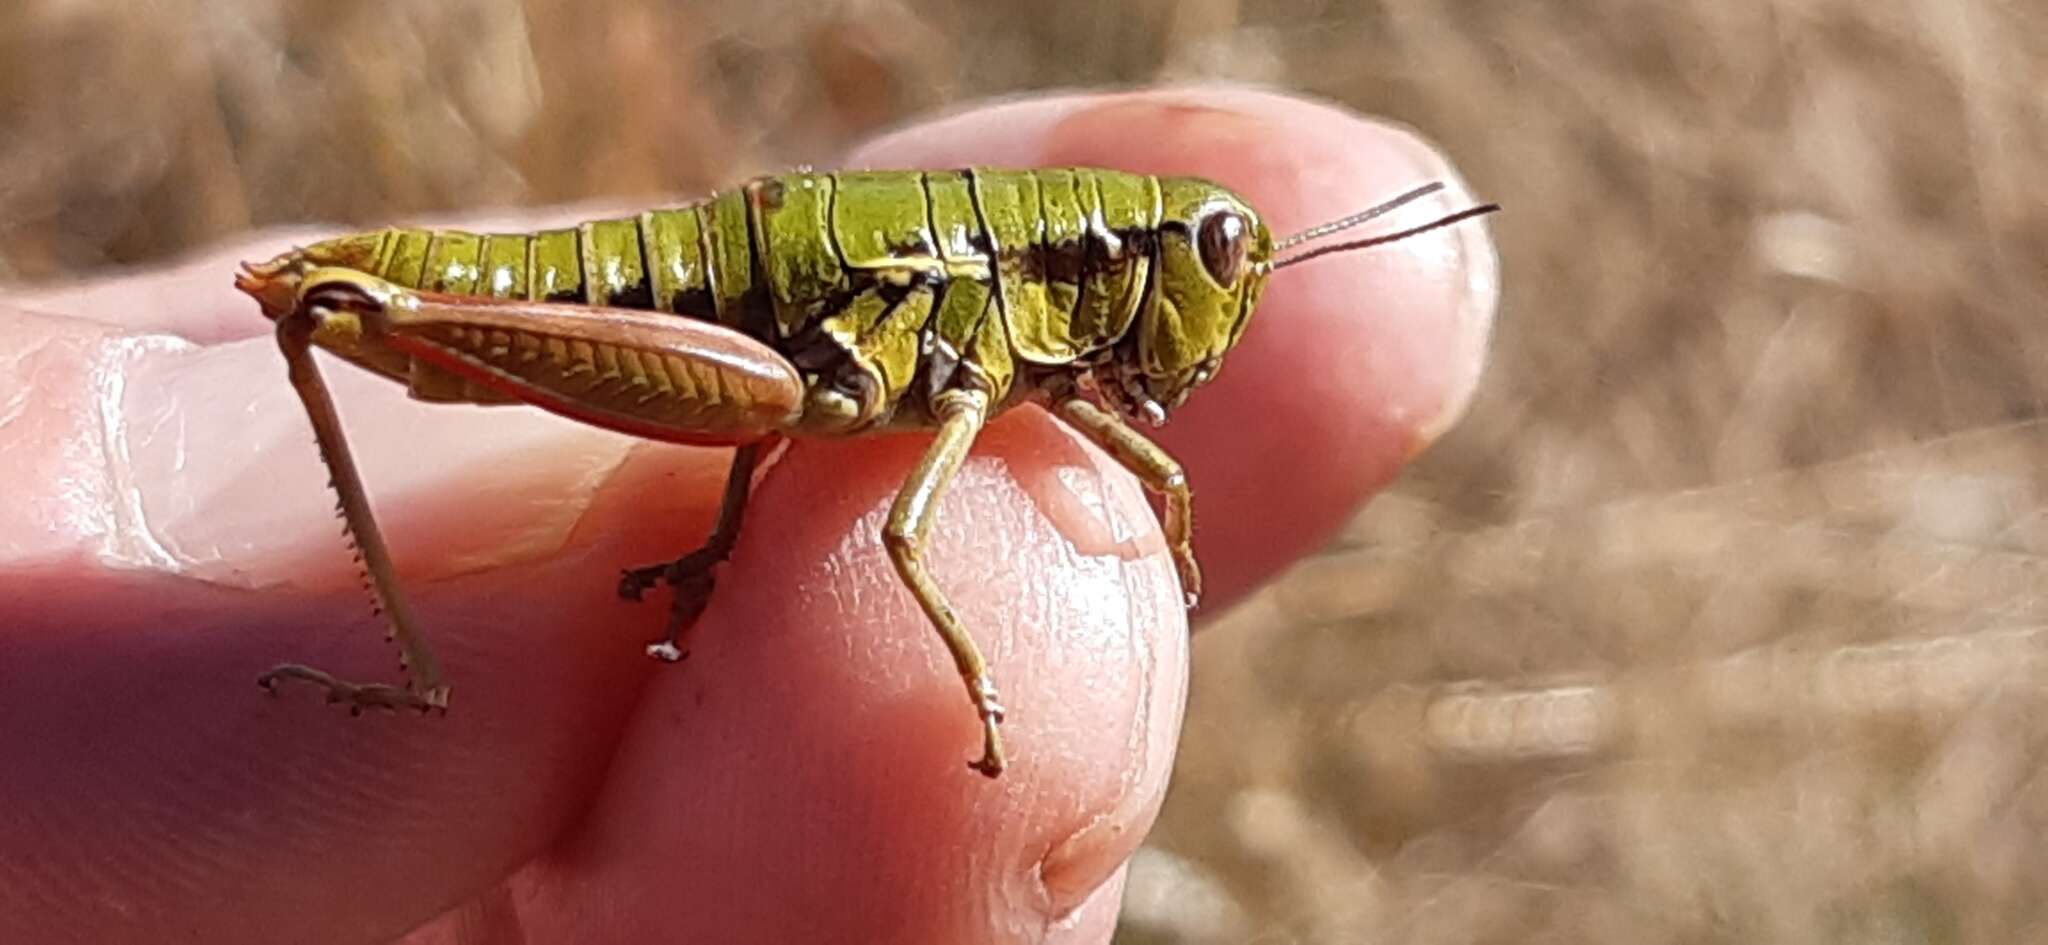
803	775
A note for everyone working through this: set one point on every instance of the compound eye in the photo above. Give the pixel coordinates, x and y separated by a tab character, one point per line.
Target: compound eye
1222	242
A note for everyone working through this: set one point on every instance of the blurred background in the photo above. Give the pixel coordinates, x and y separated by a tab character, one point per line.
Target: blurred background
1718	621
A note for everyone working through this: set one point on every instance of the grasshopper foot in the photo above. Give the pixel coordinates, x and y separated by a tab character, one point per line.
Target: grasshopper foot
992	762
635	583
1190	576
692	589
667	651
358	696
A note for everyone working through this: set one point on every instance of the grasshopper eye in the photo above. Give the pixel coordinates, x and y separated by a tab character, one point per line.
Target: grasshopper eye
1221	241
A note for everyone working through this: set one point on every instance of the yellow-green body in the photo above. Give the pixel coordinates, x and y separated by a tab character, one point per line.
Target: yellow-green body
885	288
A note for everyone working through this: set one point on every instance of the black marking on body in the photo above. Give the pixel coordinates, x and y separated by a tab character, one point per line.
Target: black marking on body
638	295
1066	261
910	248
532	264
707	247
387	247
831	182
699	304
985	243
894	292
812	349
1138	241
757	308
937	361
1128	349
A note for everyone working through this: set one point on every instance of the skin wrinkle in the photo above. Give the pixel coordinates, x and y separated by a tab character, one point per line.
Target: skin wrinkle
131	540
851	561
1091	521
65	357
576	501
16	402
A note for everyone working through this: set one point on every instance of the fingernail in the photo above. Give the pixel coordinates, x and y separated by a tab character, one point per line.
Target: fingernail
1475	265
1094	919
222	481
1075	869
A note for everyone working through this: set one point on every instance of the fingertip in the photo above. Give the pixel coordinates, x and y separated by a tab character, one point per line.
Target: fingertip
819	702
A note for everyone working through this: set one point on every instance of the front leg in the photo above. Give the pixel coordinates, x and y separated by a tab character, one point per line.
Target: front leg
961	414
1157	469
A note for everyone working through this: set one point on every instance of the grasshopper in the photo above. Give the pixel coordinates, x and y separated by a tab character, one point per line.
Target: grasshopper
801	305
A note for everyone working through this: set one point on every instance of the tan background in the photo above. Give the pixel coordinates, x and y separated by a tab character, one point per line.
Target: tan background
1717	622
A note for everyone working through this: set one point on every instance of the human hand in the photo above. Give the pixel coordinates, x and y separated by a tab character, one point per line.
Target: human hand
166	536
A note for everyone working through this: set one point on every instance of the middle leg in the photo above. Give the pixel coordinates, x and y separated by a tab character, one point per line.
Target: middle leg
690	577
961	414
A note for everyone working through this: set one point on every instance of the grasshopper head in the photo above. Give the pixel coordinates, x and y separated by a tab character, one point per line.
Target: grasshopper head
1211	265
1213	260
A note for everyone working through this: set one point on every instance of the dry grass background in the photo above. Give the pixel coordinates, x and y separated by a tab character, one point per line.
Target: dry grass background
1720	620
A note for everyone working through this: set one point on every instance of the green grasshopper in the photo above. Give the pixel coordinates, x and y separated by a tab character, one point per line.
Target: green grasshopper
801	305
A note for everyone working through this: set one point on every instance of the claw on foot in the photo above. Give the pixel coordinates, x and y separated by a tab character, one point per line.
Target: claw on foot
986	703
666	651
1190	581
991	763
634	584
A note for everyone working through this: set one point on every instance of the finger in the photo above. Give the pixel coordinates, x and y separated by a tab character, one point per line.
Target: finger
1351	365
816	696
